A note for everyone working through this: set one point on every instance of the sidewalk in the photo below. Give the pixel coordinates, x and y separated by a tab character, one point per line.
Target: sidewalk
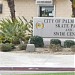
8	59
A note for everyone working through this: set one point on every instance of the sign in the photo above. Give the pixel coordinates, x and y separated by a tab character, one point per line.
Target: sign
44	2
54	27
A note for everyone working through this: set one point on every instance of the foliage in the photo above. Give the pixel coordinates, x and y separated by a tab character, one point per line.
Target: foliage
69	43
55	48
22	46
73	48
14	31
37	41
55	41
2	39
16	41
6	47
12	46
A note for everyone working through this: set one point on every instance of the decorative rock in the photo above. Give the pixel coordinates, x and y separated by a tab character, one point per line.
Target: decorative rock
30	48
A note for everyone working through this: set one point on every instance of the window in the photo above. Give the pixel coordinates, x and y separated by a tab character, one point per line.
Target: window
46	11
0	8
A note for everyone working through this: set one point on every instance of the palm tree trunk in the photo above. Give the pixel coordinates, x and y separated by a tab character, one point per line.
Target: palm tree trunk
73	11
12	8
73	7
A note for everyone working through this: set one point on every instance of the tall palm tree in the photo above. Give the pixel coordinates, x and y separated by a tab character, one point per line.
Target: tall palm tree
12	8
73	7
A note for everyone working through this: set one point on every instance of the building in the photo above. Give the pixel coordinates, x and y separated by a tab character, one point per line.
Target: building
37	8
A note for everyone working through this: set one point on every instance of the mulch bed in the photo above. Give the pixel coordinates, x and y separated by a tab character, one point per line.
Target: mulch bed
65	51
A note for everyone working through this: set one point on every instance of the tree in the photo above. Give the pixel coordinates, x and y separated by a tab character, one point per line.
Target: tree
73	7
12	8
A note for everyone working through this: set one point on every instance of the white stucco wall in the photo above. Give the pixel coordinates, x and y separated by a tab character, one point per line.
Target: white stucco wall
5	10
63	8
29	9
26	8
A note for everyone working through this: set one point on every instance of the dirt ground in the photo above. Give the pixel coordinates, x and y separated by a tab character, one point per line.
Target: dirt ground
65	51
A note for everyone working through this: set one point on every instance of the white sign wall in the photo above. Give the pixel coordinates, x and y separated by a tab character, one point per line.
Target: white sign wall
54	27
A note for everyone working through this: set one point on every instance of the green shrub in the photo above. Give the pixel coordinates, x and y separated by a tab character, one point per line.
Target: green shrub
37	41
5	41
55	41
22	46
16	41
73	48
69	43
6	47
55	48
27	38
2	38
12	31
12	46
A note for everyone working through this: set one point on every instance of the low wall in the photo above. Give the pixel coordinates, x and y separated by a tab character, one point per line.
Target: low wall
47	41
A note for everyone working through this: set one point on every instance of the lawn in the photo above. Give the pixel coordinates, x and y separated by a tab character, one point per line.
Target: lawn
68	73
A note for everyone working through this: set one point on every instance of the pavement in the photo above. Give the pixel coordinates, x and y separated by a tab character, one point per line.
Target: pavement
8	59
35	63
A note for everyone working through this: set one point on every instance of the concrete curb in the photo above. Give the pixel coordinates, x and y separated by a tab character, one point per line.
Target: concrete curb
35	69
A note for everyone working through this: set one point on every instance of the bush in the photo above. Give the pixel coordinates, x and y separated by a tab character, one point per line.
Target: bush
12	46
16	41
73	48
6	47
55	48
69	43
27	39
55	41
22	46
5	41
37	41
11	32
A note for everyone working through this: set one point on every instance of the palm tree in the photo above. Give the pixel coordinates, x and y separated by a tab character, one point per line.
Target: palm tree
73	7
12	8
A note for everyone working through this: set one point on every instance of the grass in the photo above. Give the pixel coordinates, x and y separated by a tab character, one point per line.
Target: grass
68	73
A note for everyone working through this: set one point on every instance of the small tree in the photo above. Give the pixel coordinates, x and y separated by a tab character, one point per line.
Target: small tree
12	8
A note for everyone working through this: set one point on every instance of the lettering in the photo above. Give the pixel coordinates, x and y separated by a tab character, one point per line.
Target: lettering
67	20
59	33
70	33
48	20
72	25
62	26
69	30
56	27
